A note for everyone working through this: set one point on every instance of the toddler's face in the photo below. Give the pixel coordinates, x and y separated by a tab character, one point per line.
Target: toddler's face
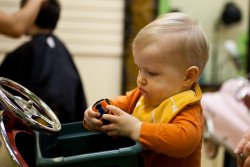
160	76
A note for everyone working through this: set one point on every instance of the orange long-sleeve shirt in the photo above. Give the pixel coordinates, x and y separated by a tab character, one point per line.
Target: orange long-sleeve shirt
174	144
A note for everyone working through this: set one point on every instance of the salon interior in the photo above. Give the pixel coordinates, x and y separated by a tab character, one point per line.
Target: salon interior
99	33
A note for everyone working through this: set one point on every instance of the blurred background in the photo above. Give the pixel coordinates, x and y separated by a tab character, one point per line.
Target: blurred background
99	34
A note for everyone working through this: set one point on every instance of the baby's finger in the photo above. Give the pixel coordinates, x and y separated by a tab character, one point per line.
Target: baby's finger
107	128
114	109
110	130
112	133
92	123
110	118
94	114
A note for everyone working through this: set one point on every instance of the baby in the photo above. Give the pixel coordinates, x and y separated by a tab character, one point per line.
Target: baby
163	113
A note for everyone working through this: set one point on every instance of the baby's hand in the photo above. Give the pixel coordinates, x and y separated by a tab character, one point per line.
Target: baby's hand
121	123
91	119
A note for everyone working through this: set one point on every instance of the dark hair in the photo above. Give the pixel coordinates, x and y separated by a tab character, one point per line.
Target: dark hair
48	15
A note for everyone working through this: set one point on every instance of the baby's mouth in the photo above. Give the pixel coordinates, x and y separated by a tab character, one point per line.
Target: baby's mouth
143	92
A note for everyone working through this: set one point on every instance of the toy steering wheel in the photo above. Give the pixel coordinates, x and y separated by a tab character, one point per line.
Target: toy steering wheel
27	106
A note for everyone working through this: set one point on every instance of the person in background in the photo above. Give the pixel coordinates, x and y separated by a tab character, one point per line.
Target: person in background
163	113
242	150
16	24
45	66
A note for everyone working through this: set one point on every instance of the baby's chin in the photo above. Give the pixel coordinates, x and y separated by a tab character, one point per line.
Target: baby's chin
151	102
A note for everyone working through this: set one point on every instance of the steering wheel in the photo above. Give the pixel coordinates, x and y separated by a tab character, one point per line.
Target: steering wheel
28	107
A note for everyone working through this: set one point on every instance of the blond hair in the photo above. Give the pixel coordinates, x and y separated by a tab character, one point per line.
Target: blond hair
179	33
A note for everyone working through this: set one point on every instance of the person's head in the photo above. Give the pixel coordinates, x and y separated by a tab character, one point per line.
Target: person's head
48	15
171	53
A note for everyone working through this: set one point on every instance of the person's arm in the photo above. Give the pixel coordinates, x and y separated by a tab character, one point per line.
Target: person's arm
16	24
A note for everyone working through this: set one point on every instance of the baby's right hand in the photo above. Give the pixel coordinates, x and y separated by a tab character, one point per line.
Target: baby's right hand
91	119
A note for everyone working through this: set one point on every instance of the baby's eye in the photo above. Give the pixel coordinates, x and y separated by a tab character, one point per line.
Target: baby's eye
152	73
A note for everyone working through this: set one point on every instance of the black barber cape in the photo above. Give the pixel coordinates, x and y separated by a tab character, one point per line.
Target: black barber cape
44	66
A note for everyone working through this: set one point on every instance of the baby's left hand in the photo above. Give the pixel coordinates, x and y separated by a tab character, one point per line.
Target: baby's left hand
122	124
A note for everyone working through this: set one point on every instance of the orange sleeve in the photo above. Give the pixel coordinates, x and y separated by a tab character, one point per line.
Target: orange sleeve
127	102
179	138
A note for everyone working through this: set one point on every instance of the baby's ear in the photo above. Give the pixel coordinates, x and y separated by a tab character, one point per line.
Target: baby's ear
192	75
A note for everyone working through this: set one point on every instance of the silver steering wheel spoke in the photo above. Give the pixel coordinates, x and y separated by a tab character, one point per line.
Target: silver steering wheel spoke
27	106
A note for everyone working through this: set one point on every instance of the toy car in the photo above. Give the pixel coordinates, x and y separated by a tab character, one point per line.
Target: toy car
100	106
31	135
